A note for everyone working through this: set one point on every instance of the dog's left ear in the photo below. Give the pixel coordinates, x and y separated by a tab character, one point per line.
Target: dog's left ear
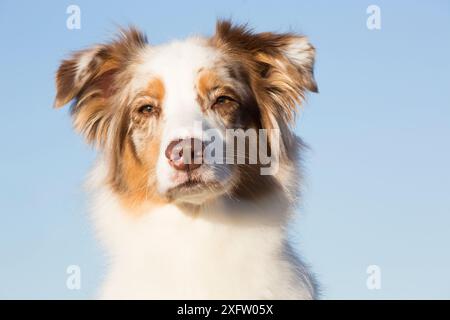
281	64
280	68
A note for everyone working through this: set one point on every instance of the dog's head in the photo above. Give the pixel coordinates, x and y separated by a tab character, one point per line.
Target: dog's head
164	116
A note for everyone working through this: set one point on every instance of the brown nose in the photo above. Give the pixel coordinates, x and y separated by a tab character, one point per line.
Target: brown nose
185	154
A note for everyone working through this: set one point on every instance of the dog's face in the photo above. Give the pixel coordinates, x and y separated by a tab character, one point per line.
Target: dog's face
160	114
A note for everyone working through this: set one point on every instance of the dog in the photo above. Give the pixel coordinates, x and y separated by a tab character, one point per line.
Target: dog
174	225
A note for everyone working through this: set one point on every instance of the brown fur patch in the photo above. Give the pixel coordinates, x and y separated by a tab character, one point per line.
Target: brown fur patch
136	175
156	90
237	112
207	80
133	175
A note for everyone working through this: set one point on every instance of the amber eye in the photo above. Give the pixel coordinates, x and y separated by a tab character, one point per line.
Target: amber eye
223	99
146	109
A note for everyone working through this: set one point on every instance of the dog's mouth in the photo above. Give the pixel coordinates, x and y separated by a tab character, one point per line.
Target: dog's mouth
199	186
194	190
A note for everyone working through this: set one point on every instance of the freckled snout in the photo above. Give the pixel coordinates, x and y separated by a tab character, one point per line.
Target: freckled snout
185	154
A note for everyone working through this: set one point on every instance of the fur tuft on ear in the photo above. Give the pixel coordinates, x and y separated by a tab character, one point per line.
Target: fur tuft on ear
73	74
90	77
302	55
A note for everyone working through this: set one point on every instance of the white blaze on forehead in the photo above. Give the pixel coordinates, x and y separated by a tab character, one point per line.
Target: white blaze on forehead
177	64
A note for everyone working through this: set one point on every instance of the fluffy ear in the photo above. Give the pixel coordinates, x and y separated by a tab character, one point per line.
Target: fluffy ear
283	61
90	77
74	73
281	70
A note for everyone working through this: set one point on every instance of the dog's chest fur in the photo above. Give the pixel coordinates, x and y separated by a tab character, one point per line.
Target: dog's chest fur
168	254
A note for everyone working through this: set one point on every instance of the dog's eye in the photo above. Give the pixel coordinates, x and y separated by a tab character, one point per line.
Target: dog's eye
222	100
146	109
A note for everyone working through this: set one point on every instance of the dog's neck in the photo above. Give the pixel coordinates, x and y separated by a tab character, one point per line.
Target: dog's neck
172	251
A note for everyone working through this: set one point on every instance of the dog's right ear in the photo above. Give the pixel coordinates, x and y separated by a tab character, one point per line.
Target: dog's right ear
90	77
75	73
95	64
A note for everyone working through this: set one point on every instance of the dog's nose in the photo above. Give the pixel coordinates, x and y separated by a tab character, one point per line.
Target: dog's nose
185	154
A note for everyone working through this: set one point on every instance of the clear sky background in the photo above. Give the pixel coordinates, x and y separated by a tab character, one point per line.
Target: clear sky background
377	189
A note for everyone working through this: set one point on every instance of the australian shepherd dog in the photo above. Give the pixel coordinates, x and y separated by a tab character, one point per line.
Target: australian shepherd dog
197	175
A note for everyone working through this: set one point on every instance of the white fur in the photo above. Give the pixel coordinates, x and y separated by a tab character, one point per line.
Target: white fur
166	254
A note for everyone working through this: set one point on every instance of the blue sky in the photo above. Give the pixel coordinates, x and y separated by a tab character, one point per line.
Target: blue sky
377	189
